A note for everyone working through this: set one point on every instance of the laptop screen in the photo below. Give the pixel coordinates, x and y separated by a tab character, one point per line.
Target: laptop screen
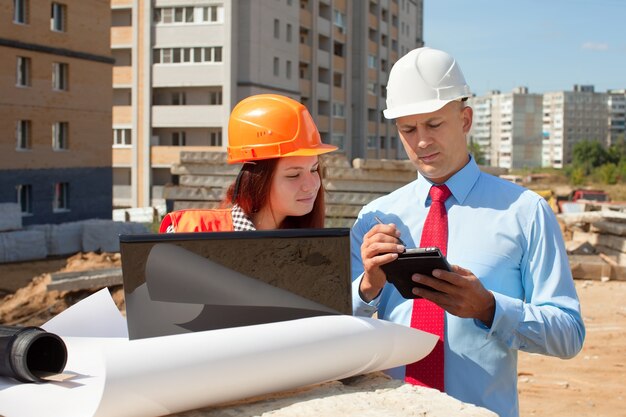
185	282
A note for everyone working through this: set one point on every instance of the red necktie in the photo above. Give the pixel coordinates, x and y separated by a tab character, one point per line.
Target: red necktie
427	315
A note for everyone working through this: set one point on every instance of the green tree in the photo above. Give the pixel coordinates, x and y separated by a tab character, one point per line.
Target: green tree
607	173
589	154
617	151
576	175
478	154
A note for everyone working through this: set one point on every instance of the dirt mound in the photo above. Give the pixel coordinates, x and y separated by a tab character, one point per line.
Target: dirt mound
33	304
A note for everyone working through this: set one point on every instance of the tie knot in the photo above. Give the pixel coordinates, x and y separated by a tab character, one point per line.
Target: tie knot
439	193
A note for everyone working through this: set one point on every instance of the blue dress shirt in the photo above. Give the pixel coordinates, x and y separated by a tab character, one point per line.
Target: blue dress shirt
510	239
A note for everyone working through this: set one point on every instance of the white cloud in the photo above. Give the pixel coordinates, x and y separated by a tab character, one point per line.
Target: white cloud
595	46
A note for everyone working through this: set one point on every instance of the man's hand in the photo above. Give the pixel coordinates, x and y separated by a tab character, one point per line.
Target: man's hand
380	246
458	292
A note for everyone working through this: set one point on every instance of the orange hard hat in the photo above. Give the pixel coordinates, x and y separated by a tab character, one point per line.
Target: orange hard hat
268	126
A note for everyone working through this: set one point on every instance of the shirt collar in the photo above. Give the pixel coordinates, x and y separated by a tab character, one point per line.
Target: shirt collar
460	184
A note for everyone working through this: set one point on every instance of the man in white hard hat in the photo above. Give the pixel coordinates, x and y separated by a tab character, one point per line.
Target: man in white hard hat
510	287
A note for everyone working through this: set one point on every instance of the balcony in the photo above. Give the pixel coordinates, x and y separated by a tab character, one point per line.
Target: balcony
323	58
191	75
323	123
373	21
121	4
122	77
122	115
305	53
323	91
122	157
306	19
166	156
323	26
122	196
188	116
305	87
339	63
339	94
121	37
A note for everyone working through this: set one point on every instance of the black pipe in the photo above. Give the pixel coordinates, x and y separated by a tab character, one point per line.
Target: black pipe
30	353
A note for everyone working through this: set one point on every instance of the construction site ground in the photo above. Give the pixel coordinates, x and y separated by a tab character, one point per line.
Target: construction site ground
591	384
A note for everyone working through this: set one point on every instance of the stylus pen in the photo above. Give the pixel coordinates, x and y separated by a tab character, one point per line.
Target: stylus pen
381	222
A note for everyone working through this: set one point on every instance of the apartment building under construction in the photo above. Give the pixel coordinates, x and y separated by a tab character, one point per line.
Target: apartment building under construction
182	65
55	101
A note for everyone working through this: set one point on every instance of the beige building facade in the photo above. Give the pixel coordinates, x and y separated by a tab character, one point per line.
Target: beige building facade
181	66
55	101
570	117
508	128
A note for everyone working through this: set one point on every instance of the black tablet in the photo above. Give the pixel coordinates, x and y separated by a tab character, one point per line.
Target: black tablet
414	261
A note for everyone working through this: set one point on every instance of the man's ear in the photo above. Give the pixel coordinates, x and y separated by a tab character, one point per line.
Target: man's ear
467	113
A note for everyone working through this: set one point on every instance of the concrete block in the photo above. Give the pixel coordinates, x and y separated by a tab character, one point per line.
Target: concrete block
10	217
22	245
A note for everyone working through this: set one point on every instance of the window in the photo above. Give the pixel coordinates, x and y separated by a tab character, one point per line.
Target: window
60	76
22	77
213	54
289	32
338	48
187	55
179	98
215	137
305	73
276	28
22	134
188	15
215	97
339	20
183	14
212	13
58	17
179	138
60	136
371	142
371	61
288	69
20	11
61	197
338	110
338	139
276	65
25	198
371	87
217	54
122	137
338	79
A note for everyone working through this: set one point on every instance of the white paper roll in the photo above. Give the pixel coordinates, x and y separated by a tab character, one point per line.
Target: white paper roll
163	375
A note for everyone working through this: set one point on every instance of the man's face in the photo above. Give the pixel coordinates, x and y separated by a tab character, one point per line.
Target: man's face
435	142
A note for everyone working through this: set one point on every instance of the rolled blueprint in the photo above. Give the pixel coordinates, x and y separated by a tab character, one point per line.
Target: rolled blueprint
28	354
169	374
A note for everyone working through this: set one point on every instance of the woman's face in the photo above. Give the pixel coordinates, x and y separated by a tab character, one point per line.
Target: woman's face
294	187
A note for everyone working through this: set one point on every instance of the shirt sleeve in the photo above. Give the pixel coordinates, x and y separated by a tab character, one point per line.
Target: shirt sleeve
548	320
359	307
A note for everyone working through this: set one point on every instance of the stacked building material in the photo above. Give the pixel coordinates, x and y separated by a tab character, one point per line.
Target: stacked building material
596	242
203	178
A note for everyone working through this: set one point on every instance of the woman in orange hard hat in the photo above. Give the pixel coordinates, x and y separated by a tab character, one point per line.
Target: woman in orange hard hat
279	185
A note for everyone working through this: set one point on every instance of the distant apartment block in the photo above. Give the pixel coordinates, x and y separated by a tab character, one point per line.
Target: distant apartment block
180	67
55	101
507	127
570	117
617	116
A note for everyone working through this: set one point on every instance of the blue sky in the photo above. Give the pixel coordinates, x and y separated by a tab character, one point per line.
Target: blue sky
545	45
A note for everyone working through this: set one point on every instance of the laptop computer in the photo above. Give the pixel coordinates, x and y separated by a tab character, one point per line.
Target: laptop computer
186	282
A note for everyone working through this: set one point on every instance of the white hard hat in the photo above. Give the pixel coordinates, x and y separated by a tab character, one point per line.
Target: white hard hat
423	81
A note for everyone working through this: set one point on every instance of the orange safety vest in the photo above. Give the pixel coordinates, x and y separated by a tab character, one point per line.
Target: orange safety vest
198	220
